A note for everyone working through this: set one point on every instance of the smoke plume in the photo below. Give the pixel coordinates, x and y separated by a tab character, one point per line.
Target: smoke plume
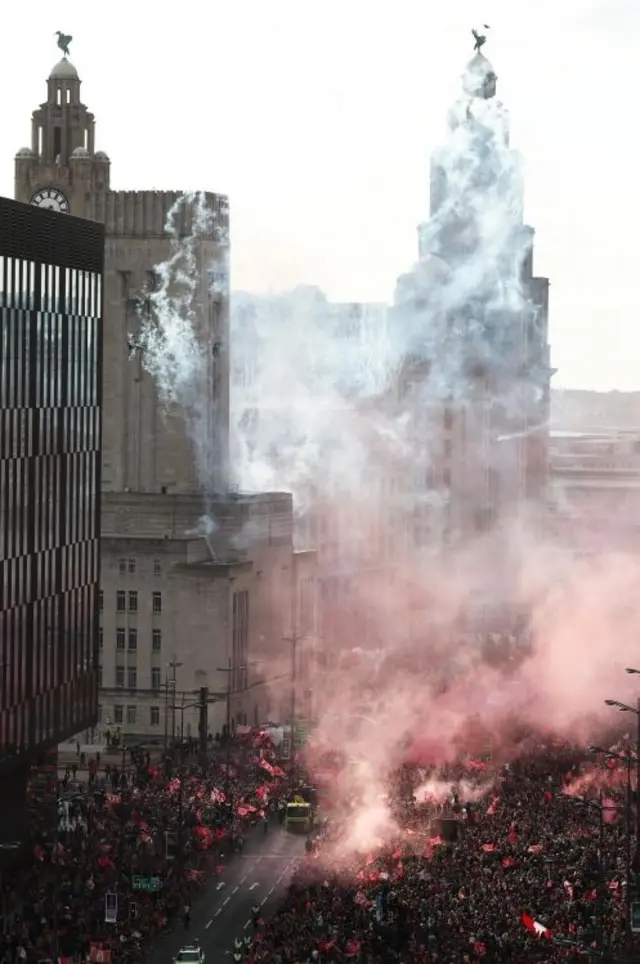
454	623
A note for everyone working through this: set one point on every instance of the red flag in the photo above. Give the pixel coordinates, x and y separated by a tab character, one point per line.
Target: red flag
513	835
488	848
535	927
353	948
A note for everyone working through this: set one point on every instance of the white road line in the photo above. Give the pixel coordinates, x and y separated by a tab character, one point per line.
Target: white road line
253	886
218	912
209	924
226	901
220	885
235	890
244	878
246	925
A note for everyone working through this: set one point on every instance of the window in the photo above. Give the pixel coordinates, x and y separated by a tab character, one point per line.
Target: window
119	675
154	715
157	567
101	599
156	640
132	565
120	637
100	638
156	602
156	678
99	677
132	678
133	639
117	714
133	601
121	601
122	565
131	714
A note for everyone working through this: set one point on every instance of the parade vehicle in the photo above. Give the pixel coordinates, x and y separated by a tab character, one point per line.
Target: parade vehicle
298	817
191	954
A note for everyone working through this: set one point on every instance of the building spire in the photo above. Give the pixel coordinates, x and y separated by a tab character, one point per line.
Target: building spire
479	79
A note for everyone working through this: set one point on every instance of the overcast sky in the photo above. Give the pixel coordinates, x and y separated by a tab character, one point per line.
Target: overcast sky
317	118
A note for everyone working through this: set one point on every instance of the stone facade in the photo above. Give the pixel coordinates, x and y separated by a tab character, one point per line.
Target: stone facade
197	584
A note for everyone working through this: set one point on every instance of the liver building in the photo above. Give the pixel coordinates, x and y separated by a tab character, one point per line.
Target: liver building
176	593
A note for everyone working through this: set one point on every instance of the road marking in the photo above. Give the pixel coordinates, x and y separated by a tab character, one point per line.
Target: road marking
209	924
246	925
218	912
244	878
253	886
235	890
226	901
220	885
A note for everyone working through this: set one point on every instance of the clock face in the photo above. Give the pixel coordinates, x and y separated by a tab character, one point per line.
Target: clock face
51	199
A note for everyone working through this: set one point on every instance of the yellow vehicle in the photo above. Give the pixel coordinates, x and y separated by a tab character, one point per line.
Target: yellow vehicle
298	817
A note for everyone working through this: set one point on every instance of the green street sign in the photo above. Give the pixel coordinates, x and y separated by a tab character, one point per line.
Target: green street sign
147	884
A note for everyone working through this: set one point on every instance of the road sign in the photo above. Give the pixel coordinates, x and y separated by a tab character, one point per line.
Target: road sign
147	884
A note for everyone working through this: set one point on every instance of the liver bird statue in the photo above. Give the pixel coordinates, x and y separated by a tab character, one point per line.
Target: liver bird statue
64	39
480	38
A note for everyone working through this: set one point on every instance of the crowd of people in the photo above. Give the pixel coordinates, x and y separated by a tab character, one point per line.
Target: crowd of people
114	861
526	861
531	867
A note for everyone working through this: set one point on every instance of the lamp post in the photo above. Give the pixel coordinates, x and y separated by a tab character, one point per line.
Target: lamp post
168	684
601	809
294	640
173	665
625	708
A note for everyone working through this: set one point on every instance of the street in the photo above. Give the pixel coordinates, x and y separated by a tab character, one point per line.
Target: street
223	912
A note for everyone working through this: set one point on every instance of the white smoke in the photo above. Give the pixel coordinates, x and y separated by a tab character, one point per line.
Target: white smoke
317	399
176	339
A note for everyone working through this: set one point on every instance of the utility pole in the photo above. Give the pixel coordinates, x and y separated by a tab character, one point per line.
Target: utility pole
174	665
203	724
293	640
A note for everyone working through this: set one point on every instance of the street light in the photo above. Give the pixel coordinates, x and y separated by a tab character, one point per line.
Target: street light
173	665
601	809
628	761
294	640
625	708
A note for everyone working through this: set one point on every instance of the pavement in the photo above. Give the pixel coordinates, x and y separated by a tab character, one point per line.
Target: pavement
223	912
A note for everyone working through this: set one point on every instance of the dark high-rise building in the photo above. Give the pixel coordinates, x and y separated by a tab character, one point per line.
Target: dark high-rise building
51	278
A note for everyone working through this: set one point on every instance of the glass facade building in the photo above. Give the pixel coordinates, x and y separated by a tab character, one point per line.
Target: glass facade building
51	281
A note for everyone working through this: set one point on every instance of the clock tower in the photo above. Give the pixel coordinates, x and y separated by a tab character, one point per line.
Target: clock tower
61	170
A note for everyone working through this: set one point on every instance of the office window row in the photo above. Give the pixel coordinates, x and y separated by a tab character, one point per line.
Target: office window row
130	566
45	573
49	287
47	502
128	639
131	713
47	361
128	674
31	432
127	601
